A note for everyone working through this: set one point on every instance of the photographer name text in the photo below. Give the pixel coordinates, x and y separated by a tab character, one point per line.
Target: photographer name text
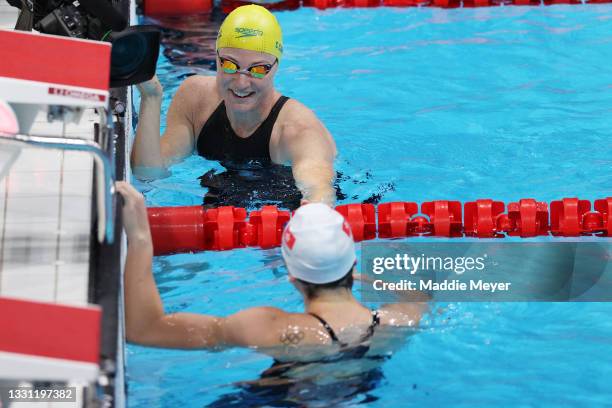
453	285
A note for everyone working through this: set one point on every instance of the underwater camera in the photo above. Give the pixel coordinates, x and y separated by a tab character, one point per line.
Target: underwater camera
134	49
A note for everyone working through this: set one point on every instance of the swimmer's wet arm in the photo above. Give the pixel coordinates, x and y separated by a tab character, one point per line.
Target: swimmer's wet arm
315	180
410	306
403	314
148	150
254	327
311	150
146	322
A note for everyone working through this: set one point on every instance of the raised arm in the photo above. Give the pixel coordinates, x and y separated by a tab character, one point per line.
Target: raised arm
149	151
310	148
146	322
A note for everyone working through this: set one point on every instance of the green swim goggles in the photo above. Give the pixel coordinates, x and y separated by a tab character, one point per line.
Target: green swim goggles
256	71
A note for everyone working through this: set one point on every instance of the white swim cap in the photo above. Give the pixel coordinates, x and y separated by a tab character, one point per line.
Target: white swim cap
8	121
318	244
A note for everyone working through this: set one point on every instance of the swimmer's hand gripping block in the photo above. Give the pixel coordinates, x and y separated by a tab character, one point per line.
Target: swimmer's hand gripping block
194	229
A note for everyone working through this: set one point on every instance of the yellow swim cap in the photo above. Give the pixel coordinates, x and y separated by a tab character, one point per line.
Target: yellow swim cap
252	28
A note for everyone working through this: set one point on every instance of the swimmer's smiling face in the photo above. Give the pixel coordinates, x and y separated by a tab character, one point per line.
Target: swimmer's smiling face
243	92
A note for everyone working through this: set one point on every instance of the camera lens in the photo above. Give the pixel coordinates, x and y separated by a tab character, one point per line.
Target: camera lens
127	54
134	55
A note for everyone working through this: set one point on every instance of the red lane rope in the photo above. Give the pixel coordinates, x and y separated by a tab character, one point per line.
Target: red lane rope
183	7
194	229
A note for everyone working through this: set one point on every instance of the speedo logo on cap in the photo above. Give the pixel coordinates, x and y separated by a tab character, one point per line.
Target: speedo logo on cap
247	32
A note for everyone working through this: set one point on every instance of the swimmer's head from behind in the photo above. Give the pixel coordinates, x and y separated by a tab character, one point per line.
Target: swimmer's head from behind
318	250
249	48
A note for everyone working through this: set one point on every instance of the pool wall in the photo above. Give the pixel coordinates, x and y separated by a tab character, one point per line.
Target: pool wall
48	247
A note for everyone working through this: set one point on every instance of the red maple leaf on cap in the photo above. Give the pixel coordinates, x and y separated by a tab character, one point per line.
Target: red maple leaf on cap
289	238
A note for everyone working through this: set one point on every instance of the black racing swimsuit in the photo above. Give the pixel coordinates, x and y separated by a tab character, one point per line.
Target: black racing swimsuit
353	351
218	141
250	180
347	351
303	392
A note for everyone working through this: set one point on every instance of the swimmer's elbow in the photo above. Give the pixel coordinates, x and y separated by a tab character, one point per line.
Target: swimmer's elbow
132	337
140	329
137	335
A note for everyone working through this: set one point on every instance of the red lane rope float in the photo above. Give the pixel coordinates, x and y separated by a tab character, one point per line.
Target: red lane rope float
361	218
176	7
229	5
182	7
194	229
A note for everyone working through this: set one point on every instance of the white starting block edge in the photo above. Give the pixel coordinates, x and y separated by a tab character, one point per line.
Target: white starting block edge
28	98
15	366
14	90
75	74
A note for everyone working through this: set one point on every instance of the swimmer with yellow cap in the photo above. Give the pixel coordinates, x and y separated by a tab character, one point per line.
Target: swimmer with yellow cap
252	28
238	116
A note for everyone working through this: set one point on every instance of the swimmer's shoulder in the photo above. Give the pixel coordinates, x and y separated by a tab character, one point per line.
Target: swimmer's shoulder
294	122
295	113
270	326
199	97
200	83
198	88
402	314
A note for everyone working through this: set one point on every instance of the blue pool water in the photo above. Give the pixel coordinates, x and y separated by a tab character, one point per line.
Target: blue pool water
424	104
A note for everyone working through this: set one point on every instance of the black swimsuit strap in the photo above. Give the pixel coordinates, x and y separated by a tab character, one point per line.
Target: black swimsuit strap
332	334
375	322
326	325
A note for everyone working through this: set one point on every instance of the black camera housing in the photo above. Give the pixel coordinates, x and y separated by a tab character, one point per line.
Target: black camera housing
68	20
134	49
134	55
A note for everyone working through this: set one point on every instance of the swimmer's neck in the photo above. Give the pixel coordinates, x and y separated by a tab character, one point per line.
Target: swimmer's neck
331	299
246	123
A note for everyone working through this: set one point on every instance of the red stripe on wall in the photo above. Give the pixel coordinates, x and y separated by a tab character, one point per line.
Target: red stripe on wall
50	330
59	60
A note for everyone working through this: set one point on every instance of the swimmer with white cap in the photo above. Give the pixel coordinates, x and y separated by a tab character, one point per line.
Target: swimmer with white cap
238	115
319	252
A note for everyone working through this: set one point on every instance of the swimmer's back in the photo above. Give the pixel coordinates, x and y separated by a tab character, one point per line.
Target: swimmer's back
381	338
275	331
307	352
